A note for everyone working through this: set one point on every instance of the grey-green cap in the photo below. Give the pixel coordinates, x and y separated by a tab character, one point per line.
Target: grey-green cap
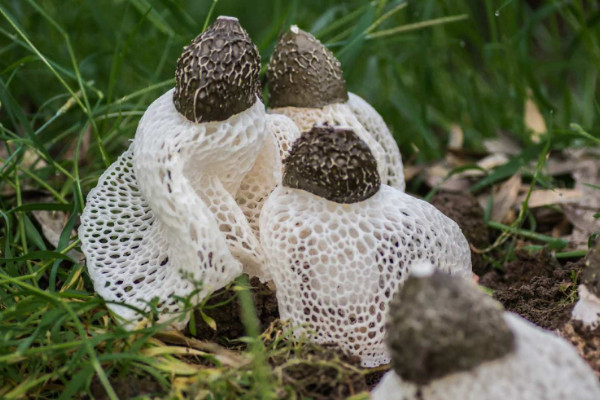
217	73
438	325
334	163
304	73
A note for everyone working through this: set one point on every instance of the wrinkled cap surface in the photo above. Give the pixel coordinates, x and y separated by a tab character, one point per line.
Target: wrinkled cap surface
440	324
590	274
333	163
217	74
304	73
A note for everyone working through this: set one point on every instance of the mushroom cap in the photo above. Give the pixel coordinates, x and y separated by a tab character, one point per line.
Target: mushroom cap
439	325
337	266
304	73
333	163
217	73
338	114
542	366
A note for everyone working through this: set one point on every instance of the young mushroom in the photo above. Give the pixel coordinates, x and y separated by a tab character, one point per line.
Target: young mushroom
164	217
449	340
587	308
339	244
307	84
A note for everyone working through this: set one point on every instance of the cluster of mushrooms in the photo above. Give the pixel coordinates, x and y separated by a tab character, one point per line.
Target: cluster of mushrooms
308	195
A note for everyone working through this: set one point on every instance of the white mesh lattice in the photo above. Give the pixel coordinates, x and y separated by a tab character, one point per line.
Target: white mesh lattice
587	308
285	131
543	366
128	258
185	169
336	266
167	206
336	114
375	125
266	174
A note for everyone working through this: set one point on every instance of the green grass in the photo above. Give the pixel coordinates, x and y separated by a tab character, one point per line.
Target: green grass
76	76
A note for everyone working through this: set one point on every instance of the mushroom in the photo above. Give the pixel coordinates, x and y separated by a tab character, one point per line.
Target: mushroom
449	340
339	244
307	84
164	217
587	308
266	172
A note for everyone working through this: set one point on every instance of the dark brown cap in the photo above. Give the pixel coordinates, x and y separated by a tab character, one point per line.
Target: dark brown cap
217	74
332	162
304	73
438	325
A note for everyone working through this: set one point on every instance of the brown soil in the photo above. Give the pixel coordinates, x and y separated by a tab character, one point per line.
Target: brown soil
319	372
374	376
223	307
586	341
127	387
464	209
537	287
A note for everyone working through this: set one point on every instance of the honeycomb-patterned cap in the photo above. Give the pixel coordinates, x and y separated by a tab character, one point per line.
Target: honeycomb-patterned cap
439	324
304	73
217	73
333	163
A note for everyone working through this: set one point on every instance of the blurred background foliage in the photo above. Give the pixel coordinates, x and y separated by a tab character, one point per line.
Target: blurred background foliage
476	72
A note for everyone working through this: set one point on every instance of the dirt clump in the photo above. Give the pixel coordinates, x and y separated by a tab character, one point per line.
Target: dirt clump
223	307
586	341
537	287
464	209
319	372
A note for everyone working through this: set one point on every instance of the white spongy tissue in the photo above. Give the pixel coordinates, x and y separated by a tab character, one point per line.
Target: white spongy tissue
163	217
336	266
284	130
375	125
543	366
266	172
587	308
338	114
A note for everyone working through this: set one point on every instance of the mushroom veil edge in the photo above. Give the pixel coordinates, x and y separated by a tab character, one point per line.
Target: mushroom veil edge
306	83
449	340
339	244
163	218
587	308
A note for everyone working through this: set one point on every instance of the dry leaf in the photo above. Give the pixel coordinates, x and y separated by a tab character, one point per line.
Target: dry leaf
410	171
534	121
53	223
435	175
505	197
456	137
502	145
542	198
